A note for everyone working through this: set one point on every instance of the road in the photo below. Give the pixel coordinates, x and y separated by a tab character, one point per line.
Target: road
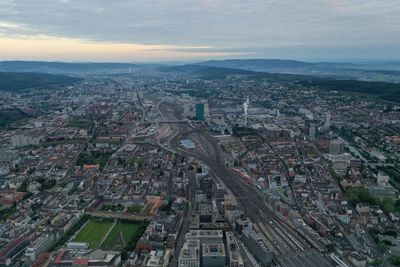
186	223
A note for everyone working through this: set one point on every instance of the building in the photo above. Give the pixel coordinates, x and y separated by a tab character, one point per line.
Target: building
341	163
382	192
357	259
213	255
77	245
312	130
232	247
187	143
189	255
21	140
200	112
40	245
95	257
12	251
206	110
205	236
336	147
257	247
382	179
327	120
157	258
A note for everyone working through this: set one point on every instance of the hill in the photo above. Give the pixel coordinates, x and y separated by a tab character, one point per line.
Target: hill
76	68
17	81
371	71
383	90
11	115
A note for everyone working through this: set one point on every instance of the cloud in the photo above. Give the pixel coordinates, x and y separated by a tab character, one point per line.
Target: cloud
48	48
221	26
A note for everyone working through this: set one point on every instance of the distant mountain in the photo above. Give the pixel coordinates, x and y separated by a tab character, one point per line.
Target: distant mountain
372	71
255	64
205	70
368	71
72	68
17	81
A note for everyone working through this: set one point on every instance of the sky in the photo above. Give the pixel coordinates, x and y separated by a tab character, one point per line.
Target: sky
185	30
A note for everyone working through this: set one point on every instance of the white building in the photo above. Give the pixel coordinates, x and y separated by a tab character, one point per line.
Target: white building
382	179
21	140
189	255
37	247
327	120
312	130
205	236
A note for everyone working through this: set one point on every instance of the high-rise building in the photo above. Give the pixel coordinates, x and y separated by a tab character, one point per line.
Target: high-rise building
200	111
328	120
213	255
312	130
206	110
336	147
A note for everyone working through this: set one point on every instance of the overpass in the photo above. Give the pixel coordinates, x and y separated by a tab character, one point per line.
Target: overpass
167	121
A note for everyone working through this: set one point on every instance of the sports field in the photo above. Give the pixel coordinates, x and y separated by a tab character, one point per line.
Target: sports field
93	232
124	234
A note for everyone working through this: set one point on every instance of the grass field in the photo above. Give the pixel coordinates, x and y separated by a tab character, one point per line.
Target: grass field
131	232
136	208
93	232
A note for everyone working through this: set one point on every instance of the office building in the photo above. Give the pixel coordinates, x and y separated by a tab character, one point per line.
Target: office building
312	130
232	247
327	120
256	246
205	236
336	147
200	112
189	255
213	255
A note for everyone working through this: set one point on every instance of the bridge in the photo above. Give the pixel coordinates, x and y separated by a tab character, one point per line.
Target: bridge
168	121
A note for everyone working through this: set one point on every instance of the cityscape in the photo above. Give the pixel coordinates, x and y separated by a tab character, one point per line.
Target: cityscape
200	133
136	170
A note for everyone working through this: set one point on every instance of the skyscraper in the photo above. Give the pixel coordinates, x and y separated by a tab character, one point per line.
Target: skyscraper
328	120
312	130
200	111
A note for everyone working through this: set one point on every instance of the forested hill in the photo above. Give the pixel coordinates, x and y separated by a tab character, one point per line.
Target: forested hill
383	90
17	81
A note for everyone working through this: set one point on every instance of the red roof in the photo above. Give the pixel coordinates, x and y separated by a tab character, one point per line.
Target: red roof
59	257
81	261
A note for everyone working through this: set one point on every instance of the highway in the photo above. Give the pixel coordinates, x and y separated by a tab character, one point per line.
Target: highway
285	242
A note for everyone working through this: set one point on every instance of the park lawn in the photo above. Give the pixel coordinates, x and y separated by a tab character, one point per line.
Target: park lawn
130	231
135	208
93	232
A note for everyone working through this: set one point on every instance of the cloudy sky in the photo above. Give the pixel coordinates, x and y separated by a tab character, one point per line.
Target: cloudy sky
154	30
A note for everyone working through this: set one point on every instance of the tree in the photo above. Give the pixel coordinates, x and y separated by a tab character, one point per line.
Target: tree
124	254
382	246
